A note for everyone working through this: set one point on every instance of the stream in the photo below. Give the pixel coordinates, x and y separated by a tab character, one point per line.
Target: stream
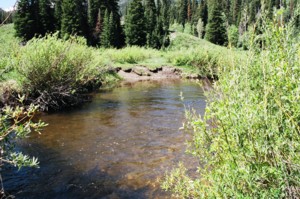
120	145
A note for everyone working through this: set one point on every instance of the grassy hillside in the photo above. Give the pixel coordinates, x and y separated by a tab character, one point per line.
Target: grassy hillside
7	39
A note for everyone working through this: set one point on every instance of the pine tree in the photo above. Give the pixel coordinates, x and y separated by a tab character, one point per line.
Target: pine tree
57	14
166	4
2	15
105	35
158	7
135	24
235	11
74	19
253	10
203	12
92	16
118	38
216	31
25	21
194	17
98	29
45	17
189	10
200	28
150	15
112	26
159	34
182	18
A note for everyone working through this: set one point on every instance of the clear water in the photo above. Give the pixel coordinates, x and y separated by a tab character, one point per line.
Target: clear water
118	146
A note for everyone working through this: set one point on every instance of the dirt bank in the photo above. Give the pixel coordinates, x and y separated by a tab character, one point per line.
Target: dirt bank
140	73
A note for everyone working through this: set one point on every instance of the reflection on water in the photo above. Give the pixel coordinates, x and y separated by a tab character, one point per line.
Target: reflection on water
118	146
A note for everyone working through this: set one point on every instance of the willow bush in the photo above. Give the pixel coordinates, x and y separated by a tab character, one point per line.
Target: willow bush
54	73
248	141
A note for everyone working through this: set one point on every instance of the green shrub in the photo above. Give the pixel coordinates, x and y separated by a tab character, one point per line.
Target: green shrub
233	35
54	72
247	143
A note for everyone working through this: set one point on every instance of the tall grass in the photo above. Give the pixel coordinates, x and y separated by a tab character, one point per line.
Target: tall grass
248	142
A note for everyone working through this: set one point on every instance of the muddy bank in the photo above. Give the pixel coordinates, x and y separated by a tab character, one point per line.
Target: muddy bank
141	73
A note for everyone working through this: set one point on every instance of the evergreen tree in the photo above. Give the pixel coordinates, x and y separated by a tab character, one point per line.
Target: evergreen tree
105	35
235	12
166	4
98	29
203	12
2	15
216	31
158	38
118	38
45	17
150	15
189	10
57	14
182	18
195	17
158	6
74	20
135	24
255	6
92	15
25	21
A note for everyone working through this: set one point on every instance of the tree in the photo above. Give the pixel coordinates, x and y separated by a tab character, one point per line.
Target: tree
182	18
233	36
98	29
94	9
200	28
216	31
150	15
118	37
235	11
166	4
15	124
25	21
203	12
189	10
57	14
74	20
105	40
135	24
45	17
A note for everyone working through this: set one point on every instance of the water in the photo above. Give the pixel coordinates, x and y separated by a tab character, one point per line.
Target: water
118	146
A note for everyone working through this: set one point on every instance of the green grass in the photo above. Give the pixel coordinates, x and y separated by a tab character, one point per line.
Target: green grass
7	40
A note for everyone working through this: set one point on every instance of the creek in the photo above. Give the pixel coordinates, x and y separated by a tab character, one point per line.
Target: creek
118	146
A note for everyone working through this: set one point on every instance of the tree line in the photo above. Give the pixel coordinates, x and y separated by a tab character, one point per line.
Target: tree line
99	21
145	22
220	20
6	17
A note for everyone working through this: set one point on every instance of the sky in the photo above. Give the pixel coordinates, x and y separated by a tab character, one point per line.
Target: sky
7	4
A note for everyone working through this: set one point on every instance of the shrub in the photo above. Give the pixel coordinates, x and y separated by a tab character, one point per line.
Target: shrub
233	35
16	123
55	72
247	142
